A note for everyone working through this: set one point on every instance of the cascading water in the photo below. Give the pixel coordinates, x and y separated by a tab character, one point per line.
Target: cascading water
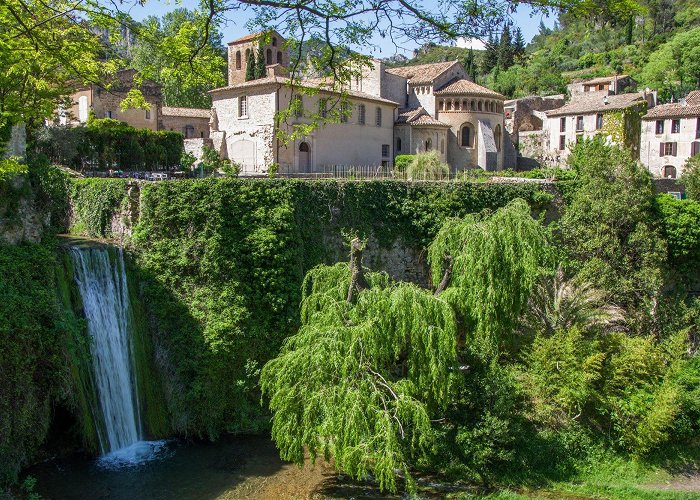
101	279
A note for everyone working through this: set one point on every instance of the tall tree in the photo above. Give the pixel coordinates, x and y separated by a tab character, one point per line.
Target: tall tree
490	59
470	64
260	70
518	45
250	67
505	49
174	52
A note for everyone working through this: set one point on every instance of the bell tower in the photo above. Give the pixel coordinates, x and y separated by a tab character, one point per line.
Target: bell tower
242	49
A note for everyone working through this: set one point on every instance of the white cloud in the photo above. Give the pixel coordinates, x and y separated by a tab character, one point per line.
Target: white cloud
470	43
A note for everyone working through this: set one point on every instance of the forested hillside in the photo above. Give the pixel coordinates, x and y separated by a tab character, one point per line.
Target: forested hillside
655	41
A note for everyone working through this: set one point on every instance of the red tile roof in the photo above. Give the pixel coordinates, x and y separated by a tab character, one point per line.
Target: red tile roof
422	73
464	86
188	112
417	117
593	102
677	109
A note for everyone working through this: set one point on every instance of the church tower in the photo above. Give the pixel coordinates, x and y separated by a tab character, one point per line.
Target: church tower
240	50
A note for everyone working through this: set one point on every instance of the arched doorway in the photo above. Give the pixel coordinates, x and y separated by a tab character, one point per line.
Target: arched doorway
497	136
669	172
304	157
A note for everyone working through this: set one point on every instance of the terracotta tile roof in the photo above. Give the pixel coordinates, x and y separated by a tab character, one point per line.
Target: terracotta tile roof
188	112
593	102
601	79
417	117
276	80
422	73
247	38
464	86
677	109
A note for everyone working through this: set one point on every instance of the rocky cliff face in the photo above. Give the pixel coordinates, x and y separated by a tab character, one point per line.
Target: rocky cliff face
22	219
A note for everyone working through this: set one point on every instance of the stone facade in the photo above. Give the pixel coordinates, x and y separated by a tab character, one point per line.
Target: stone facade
525	120
671	135
105	103
438	101
192	123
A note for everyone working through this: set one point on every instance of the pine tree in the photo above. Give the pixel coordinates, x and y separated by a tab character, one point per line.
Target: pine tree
260	70
505	49
250	67
519	45
490	59
469	64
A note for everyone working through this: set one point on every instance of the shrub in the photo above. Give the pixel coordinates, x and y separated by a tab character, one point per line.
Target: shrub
691	177
427	166
401	162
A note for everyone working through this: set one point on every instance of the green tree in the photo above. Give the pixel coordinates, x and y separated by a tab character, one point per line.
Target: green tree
691	177
518	45
250	68
260	71
505	49
674	68
470	64
490	58
609	232
174	52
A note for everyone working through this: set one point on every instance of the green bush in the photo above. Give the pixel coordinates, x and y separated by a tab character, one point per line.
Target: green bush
427	166
401	162
680	224
110	144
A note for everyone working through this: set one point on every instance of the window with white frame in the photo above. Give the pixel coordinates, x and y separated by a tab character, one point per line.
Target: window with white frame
579	124
675	126
243	106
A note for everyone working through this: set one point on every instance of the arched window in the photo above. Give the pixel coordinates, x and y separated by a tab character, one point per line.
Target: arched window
465	106
481	106
441	105
442	146
467	135
361	114
279	57
274	41
669	172
268	57
497	137
449	105
238	59
428	144
398	144
473	106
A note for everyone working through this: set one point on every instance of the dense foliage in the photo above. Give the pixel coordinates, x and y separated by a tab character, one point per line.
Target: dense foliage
110	144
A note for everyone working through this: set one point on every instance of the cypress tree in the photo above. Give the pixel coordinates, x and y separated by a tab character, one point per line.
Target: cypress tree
519	45
250	67
505	49
490	59
260	62
469	64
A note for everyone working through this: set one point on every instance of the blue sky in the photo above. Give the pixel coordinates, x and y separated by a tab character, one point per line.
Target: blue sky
233	29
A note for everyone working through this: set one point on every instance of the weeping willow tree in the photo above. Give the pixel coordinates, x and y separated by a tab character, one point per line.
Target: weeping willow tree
375	363
494	261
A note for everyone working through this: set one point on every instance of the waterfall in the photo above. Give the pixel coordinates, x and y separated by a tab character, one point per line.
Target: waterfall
101	279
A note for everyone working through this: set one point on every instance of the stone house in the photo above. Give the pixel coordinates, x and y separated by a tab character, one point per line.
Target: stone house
524	121
588	114
105	103
440	109
192	122
613	84
671	135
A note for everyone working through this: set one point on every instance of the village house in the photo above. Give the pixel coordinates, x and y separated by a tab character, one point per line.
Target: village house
391	111
613	84
588	114
105	103
193	123
671	135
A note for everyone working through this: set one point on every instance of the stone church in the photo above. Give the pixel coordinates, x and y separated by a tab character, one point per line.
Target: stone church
392	111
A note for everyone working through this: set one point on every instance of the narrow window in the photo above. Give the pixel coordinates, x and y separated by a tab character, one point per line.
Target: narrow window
697	129
398	144
238	59
108	114
579	124
279	57
562	142
695	148
378	117
675	126
386	150
268	57
467	135
428	144
148	114
562	124
599	121
274	41
442	146
344	113
298	106
659	127
242	106
361	114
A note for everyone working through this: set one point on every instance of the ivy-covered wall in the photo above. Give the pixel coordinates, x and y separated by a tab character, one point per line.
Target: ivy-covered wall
221	263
